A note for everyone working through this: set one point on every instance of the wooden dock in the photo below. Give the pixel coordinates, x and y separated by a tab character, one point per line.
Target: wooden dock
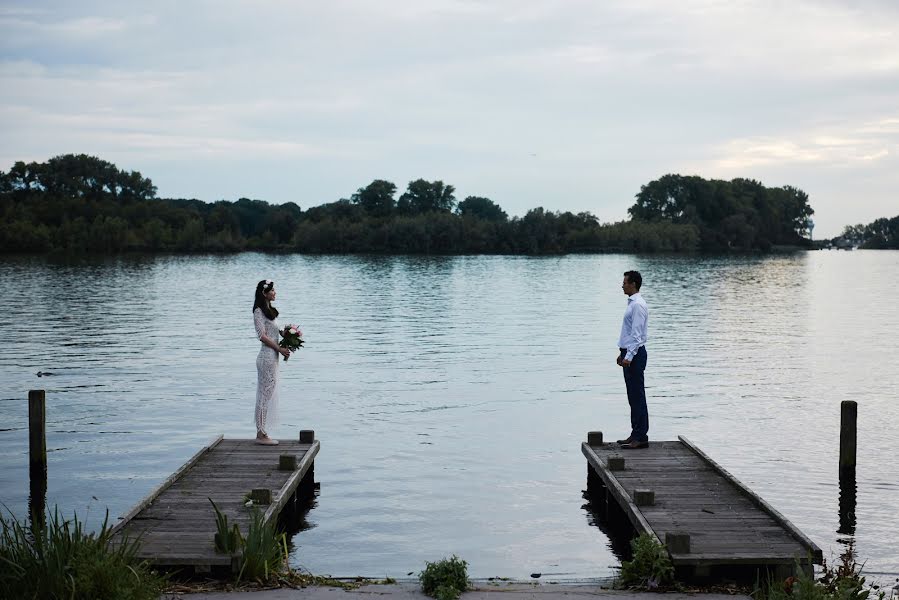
176	522
712	524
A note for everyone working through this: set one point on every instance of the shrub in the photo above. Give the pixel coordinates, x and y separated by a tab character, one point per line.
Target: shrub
650	567
445	579
60	560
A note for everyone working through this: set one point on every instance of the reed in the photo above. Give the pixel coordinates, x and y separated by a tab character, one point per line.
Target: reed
62	560
264	550
227	540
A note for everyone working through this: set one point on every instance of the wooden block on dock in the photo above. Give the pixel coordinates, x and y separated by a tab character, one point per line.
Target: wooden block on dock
594	438
236	563
643	497
677	542
307	436
616	463
261	496
287	462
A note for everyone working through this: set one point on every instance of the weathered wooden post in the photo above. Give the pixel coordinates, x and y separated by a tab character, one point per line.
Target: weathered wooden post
37	457
848	439
615	463
644	497
287	462
678	542
37	429
261	496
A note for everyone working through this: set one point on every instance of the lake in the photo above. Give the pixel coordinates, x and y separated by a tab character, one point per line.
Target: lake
451	394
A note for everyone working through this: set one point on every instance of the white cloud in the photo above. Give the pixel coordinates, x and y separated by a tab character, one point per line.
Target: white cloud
607	94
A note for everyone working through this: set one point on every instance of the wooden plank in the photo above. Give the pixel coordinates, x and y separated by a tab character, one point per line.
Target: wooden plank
165	484
621	495
176	523
287	490
728	524
756	499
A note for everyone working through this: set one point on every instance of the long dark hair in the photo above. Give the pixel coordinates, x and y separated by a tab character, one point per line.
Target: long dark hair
261	302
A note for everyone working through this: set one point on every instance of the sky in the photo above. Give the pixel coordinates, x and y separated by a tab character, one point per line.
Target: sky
567	105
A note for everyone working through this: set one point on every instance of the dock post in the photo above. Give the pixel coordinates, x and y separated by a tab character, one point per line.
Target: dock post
37	457
678	542
594	483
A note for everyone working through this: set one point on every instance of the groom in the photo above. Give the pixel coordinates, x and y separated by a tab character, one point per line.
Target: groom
632	359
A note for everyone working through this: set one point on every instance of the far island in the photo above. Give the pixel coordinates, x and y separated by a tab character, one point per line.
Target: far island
82	204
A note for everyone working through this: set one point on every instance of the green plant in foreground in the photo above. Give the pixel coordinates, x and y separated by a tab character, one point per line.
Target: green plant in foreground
264	549
842	581
650	568
227	541
444	579
61	560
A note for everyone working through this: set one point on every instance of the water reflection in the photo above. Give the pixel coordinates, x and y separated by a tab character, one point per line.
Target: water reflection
608	517
37	496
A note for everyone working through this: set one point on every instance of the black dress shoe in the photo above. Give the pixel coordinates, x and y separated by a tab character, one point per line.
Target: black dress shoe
635	445
622	442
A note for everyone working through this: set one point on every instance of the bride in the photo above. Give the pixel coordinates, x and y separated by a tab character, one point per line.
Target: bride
264	317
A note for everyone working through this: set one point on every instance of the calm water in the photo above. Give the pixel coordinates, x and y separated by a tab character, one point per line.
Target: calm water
451	394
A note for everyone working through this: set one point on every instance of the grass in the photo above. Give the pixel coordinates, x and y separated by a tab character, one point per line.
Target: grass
61	560
444	579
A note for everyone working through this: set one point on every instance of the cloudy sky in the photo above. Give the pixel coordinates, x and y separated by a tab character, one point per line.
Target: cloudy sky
569	105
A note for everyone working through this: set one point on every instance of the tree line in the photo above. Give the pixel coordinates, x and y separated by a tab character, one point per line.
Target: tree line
880	234
80	203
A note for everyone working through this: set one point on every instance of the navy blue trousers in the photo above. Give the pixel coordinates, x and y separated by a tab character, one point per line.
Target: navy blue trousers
636	395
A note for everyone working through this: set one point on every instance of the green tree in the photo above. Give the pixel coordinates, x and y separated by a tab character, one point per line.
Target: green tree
377	198
426	196
481	208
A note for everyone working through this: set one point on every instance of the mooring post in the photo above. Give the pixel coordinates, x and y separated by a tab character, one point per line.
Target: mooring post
848	437
37	457
37	429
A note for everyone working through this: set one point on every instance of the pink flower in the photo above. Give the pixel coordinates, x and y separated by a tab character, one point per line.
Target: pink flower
293	330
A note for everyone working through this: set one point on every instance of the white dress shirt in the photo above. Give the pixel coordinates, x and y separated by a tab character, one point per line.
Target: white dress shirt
633	328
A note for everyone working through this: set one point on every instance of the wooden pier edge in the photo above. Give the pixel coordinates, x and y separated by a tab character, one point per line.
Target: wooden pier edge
292	482
781	520
616	489
148	499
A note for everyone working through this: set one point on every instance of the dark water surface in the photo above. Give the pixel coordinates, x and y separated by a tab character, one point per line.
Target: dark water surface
451	394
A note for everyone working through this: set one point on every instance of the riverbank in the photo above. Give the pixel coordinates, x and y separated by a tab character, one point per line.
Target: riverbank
480	591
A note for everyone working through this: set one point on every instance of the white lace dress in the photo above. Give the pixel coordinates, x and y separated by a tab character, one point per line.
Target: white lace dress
267	373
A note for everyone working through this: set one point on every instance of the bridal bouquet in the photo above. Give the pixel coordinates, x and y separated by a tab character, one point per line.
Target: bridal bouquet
291	338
